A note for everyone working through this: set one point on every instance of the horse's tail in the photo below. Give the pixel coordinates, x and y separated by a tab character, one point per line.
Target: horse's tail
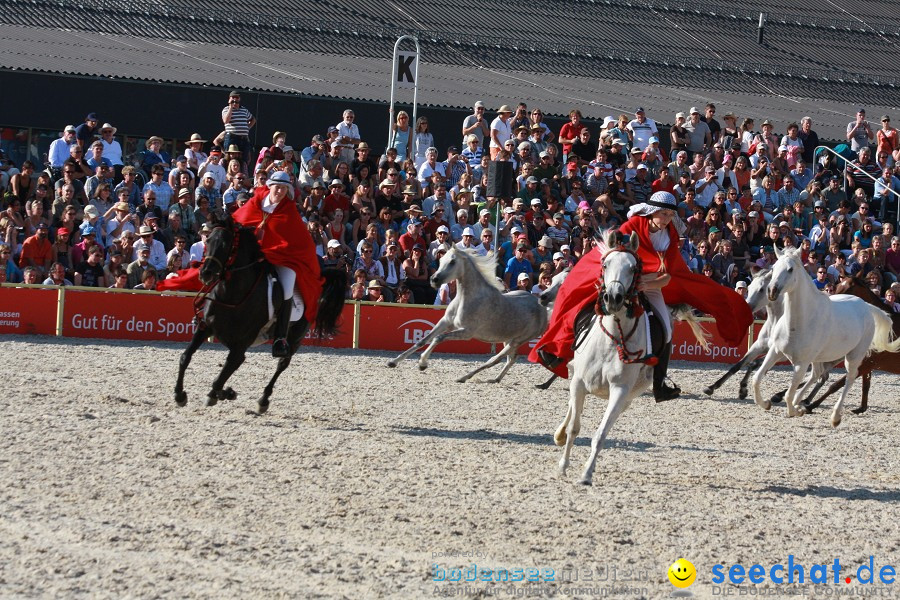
331	302
881	341
685	312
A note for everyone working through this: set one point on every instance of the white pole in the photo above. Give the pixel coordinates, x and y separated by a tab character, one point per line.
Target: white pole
394	87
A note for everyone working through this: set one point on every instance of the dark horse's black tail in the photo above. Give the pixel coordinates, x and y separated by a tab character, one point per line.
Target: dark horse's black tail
331	302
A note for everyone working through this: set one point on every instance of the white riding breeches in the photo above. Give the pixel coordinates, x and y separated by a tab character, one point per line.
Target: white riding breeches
655	298
287	277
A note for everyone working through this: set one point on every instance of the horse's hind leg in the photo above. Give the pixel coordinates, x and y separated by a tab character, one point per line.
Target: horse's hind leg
834	387
743	391
199	337
710	389
618	401
771	358
295	336
866	382
234	360
490	363
546	384
852	371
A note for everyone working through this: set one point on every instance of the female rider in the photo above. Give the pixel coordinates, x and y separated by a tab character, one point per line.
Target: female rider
666	280
286	244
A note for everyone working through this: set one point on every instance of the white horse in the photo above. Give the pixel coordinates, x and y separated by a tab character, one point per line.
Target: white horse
597	367
758	299
816	328
481	311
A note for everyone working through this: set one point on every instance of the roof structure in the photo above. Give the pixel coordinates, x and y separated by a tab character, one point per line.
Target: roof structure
602	56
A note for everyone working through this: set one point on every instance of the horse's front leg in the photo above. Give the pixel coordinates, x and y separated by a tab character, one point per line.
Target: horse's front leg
440	333
751	354
199	337
791	395
753	366
572	423
441	326
771	358
618	401
234	360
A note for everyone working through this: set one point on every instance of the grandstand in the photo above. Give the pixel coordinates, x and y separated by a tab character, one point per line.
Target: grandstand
603	56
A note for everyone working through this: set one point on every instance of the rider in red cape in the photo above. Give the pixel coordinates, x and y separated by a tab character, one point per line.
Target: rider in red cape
287	244
661	257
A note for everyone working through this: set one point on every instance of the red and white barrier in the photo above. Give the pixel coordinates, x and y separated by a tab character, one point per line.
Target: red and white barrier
130	315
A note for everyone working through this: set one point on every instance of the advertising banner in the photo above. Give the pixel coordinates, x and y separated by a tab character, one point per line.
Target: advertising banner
122	316
686	347
393	328
344	336
30	311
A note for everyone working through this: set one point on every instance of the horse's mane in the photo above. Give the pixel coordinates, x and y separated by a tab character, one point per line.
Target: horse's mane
486	265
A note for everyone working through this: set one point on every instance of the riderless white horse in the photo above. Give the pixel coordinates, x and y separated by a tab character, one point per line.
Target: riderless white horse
605	362
481	311
816	328
758	299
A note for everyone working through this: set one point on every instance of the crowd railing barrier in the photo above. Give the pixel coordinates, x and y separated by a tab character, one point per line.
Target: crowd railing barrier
117	314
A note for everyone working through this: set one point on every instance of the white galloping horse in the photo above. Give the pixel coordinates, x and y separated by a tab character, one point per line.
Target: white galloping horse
597	367
816	328
481	311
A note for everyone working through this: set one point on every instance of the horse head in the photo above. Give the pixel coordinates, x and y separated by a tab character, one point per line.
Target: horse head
449	268
787	273
219	248
757	291
621	270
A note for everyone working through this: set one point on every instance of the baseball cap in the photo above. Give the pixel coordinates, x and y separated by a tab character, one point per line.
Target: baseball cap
334	244
469	231
642	167
444	229
523	276
535	202
558	255
694	110
740	284
483	212
819	204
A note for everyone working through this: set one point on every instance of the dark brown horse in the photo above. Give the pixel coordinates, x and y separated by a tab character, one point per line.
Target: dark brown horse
882	361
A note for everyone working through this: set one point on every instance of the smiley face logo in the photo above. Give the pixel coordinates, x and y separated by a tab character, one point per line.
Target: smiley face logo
682	573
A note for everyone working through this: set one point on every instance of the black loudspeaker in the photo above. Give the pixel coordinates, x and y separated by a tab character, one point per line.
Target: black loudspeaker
500	179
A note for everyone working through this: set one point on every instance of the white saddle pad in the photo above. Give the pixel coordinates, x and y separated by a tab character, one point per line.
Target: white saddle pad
298	309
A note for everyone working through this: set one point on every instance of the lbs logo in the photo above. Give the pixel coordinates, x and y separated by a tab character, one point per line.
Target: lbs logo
415	330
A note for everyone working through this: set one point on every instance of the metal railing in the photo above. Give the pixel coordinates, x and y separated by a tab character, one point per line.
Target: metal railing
859	170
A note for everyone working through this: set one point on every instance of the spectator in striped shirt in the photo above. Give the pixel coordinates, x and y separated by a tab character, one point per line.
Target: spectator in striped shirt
238	122
473	151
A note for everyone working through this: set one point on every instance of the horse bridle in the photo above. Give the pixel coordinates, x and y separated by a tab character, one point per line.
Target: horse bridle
633	309
224	271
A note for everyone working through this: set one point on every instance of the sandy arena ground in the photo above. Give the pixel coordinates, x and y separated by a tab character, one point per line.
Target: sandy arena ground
360	478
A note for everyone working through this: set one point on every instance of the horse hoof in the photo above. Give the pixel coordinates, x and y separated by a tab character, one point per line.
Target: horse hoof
211	401
777	398
858	411
181	398
228	394
423	367
461	380
392	364
262	407
742	394
801	410
586	481
708	391
766	405
560	438
835	421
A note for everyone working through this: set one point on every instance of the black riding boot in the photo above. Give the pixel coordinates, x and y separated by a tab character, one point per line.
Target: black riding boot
551	361
661	390
280	347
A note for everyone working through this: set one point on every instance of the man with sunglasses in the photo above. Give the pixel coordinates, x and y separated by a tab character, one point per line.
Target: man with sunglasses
81	168
475	124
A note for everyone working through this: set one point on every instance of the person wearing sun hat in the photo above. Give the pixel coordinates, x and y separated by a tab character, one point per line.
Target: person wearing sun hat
112	150
666	280
287	244
194	152
501	130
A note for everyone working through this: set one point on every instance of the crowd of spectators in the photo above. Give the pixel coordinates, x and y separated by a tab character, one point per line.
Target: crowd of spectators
90	219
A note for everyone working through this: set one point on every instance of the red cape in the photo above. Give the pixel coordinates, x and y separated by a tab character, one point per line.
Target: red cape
727	307
187	280
286	241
